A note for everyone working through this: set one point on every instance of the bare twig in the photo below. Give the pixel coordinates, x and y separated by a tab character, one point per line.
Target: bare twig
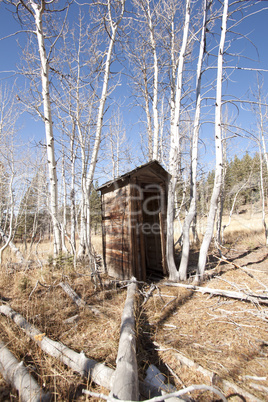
168	303
244	269
175	375
148	294
41	284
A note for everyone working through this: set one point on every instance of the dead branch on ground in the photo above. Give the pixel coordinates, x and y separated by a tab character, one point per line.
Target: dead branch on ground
76	299
148	294
221	383
221	292
244	269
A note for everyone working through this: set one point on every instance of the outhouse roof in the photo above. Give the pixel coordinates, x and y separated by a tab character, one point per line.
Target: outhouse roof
149	172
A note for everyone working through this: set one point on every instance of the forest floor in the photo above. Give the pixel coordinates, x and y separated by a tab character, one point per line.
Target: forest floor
228	337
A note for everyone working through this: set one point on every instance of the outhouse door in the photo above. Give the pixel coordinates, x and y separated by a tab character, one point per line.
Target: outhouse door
153	237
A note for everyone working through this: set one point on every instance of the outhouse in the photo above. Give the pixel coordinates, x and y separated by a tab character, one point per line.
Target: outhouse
134	208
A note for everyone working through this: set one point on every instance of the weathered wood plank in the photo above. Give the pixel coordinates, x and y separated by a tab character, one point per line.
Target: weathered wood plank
113	245
118	254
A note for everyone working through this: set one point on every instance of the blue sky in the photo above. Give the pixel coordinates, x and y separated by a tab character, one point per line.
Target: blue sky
239	84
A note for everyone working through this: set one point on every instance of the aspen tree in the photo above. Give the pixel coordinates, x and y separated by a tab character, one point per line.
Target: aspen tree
36	11
261	112
218	150
9	171
117	147
64	206
79	60
113	24
145	51
194	154
155	80
174	156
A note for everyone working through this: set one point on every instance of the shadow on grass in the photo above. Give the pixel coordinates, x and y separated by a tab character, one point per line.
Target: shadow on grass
170	309
146	349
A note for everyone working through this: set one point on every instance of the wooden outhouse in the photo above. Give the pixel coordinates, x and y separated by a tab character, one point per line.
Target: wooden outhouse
134	210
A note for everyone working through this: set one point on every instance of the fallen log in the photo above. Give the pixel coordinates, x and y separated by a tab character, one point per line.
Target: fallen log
76	299
78	362
157	379
97	372
126	384
71	320
251	297
72	294
221	383
15	373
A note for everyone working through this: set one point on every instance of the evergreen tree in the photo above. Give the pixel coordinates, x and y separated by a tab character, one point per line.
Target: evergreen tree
240	172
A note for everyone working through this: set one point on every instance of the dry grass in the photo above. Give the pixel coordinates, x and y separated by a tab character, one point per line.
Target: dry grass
241	225
47	308
226	336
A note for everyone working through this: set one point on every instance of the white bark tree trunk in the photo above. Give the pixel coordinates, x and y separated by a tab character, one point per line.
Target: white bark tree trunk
222	193
99	373
9	242
262	118
82	240
89	368
15	373
219	159
192	209
8	238
148	114
263	197
90	175
155	84
38	11
262	149
76	299
126	383
250	297
175	142
72	196
64	218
